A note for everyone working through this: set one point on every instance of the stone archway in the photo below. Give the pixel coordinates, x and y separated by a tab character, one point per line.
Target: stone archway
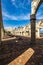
34	7
1	24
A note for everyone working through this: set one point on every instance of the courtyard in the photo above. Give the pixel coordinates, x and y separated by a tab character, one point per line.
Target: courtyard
21	49
13	48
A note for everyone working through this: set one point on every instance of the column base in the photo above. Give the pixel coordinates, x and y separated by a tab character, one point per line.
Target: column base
32	43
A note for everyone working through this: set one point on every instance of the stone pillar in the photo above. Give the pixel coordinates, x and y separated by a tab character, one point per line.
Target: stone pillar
0	20
38	33
32	19
1	24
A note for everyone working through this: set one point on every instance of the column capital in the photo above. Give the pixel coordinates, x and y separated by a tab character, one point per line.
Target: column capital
33	17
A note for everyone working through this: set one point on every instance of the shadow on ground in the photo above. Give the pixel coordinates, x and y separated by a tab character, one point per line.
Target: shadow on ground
11	49
37	58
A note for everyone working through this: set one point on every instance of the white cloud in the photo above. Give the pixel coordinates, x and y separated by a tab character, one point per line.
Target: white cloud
7	16
24	17
21	4
10	27
12	0
39	15
12	17
14	3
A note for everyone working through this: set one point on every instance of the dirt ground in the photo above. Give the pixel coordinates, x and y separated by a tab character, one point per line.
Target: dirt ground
12	49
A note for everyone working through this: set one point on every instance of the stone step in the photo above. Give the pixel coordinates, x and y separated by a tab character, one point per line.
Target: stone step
23	58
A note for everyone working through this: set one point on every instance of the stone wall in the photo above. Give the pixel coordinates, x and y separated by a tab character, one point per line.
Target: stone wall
26	31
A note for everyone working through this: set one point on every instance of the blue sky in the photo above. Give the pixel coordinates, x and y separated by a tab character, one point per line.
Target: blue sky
17	12
41	30
39	14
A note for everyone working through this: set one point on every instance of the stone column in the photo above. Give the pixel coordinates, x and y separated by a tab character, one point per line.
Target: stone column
38	33
1	24
32	19
0	20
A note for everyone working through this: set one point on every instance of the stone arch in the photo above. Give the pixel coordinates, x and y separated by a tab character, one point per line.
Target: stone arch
35	5
34	8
